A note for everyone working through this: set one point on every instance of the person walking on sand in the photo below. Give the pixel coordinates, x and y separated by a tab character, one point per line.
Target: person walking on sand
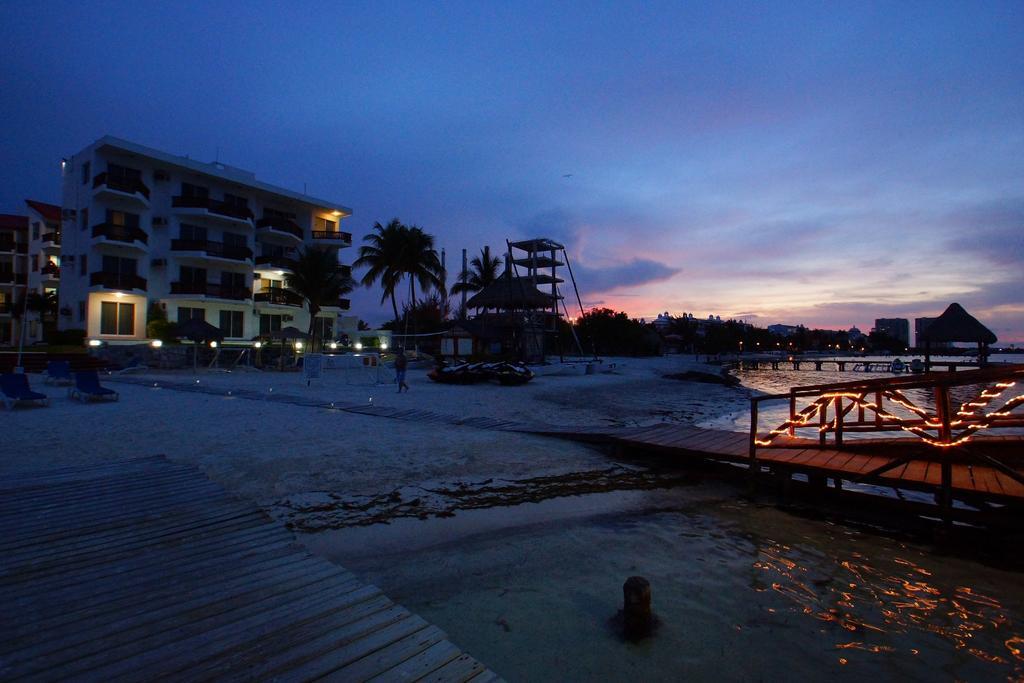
401	363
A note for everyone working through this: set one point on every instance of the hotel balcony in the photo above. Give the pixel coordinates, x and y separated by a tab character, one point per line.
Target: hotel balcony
278	297
207	250
212	208
6	307
50	242
277	264
333	237
273	226
119	281
120	236
106	186
8	278
50	272
204	290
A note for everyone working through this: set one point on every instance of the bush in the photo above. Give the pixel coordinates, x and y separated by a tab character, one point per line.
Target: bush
611	333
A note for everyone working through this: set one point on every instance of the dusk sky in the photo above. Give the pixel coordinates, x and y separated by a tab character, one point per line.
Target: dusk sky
823	163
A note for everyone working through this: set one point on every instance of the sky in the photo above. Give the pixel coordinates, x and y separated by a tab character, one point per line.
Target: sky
819	163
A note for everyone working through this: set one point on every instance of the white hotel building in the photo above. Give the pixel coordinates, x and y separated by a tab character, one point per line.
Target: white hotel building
142	227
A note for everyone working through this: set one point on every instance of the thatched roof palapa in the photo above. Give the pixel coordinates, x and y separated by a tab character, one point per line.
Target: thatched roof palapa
957	325
509	293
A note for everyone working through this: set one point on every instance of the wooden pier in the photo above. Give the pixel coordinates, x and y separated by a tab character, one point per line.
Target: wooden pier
819	364
145	569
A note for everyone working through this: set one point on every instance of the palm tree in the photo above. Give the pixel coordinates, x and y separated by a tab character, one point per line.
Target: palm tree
484	269
419	260
383	253
319	279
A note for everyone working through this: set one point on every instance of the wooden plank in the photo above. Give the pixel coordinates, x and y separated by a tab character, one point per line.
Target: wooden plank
388	657
462	668
425	662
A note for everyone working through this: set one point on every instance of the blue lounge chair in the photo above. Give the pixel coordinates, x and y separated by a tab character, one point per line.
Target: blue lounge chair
87	386
58	372
14	387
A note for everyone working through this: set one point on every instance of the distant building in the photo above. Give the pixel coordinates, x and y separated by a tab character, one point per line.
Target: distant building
897	328
854	334
13	272
920	325
663	321
784	330
29	262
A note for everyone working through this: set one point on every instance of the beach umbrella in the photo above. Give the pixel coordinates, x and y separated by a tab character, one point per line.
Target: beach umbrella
198	331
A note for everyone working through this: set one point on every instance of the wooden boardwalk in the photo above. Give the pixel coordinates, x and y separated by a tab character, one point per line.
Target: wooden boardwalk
855	460
145	569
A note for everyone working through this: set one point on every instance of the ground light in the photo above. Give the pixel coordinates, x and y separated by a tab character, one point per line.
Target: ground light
95	342
213	345
258	345
383	346
359	346
333	345
298	346
156	343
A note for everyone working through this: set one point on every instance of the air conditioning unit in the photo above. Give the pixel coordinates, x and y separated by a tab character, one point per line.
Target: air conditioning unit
157	220
161	176
158	262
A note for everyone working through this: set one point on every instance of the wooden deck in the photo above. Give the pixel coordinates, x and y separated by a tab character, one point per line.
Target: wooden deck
853	461
146	569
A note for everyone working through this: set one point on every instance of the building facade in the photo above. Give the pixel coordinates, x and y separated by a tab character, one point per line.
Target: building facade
13	274
897	328
44	221
144	228
920	325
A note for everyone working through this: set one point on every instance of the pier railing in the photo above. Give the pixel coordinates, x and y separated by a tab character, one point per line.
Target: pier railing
881	405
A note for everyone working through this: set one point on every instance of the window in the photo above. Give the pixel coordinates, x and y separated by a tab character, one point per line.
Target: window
81	311
324	225
123	218
275	213
324	328
193	232
119	264
86	172
196	191
35	263
235	240
35	230
231	323
83	268
235	201
123	173
185	314
232	282
193	276
269	323
117	318
84	219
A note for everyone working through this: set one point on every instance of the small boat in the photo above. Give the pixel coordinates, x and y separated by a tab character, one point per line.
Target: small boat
898	366
917	366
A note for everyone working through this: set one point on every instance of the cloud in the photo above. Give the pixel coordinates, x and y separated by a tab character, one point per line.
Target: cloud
630	274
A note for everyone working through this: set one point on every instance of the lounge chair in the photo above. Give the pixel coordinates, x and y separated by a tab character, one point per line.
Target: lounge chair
58	372
87	386
14	387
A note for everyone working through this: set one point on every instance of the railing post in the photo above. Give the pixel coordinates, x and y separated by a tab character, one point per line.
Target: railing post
945	436
823	422
839	421
878	409
792	413
752	465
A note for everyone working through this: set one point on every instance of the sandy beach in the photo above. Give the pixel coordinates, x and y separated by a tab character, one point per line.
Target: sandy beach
517	545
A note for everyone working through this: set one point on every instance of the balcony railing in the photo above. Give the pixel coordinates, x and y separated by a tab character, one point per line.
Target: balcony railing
112	280
51	269
217	249
280	262
8	278
278	296
51	237
211	289
280	224
213	206
20	247
126	185
332	235
120	233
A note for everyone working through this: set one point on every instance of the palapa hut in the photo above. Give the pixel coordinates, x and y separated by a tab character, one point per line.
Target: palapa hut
505	324
956	325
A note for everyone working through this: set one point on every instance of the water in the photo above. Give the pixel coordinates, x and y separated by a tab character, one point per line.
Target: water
742	592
